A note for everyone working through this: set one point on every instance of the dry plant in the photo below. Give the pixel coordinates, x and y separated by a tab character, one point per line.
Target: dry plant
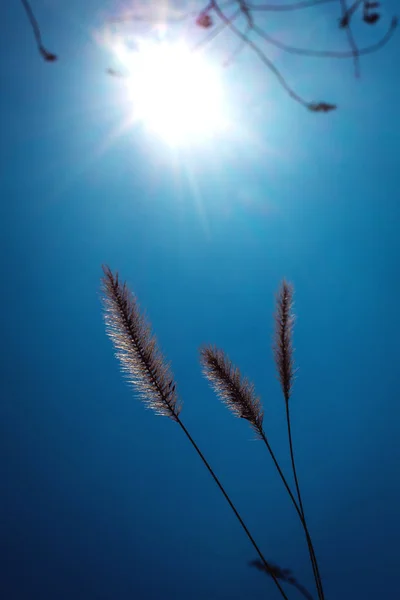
241	18
149	373
238	395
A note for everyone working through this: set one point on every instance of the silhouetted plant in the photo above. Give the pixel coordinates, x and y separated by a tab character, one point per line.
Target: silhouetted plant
238	394
150	375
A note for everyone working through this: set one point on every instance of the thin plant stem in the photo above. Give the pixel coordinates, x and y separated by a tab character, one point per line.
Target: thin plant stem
227	498
149	373
296	481
283	351
238	394
300	513
49	56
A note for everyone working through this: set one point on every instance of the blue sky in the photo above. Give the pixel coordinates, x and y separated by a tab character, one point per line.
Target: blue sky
102	499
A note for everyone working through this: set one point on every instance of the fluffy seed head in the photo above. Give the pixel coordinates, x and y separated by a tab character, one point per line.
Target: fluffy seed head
233	389
283	345
136	348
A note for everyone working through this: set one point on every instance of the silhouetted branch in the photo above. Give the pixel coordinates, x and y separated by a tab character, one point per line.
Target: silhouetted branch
346	16
48	56
347	13
341	54
354	52
214	20
287	7
268	63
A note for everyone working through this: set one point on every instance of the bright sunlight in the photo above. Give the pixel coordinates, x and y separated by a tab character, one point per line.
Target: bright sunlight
174	91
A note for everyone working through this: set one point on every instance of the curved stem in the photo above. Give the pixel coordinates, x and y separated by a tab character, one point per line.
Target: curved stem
300	513
219	484
263	57
33	22
303	518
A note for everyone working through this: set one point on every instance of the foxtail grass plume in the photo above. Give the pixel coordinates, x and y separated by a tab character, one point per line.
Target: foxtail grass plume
150	375
239	396
136	348
283	351
283	346
233	389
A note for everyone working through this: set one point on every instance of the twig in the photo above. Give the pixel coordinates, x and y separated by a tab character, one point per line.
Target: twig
48	56
351	40
315	107
287	7
340	54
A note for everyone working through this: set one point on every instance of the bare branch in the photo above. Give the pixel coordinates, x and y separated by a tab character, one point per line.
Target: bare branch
350	37
315	107
204	19
341	54
287	7
48	56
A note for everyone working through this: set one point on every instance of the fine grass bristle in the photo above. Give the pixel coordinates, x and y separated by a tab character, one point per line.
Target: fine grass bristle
283	345
136	348
150	375
232	388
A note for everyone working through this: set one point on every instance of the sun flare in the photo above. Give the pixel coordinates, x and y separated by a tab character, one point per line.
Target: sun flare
174	91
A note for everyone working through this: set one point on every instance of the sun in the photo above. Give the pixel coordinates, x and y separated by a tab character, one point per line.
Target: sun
174	91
